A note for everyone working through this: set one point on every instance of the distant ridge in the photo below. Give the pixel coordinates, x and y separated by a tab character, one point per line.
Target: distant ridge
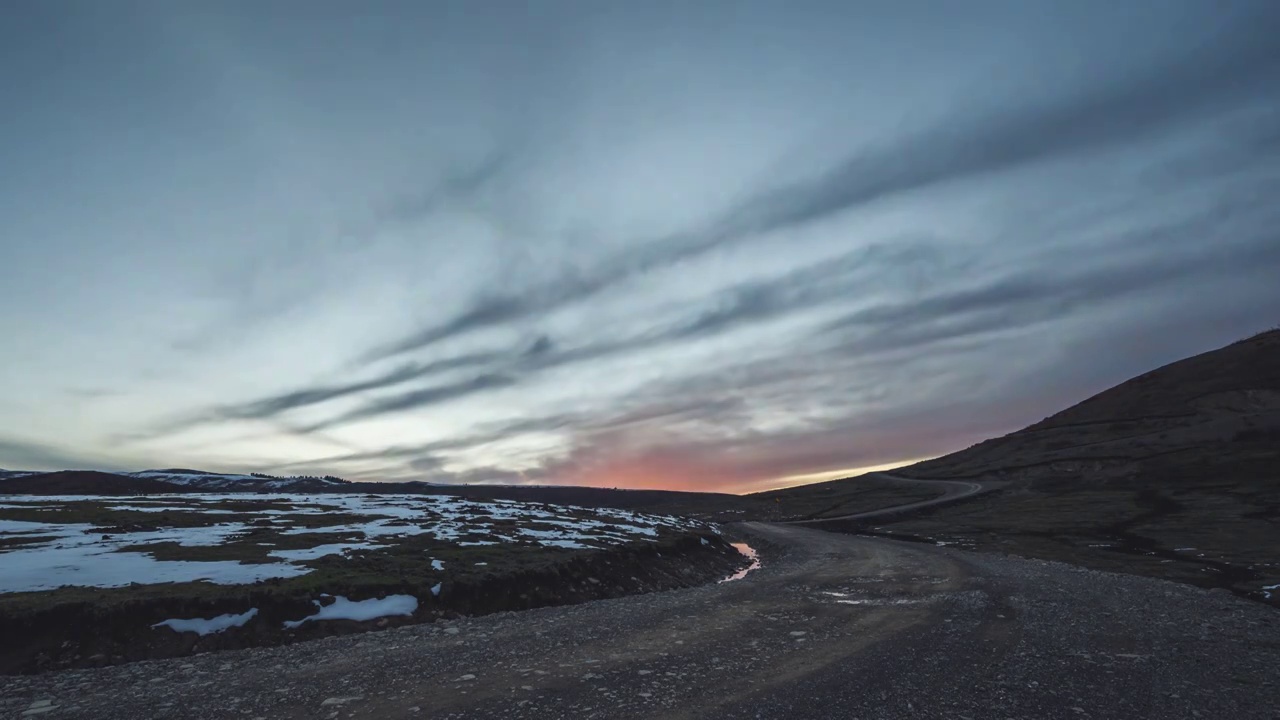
202	481
173	480
83	482
185	480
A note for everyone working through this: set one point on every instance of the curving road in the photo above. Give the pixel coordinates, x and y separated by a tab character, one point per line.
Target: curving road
952	491
833	626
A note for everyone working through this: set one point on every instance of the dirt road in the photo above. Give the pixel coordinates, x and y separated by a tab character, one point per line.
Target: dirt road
833	626
952	491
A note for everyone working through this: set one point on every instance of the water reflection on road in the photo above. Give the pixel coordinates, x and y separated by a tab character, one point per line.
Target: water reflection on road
750	553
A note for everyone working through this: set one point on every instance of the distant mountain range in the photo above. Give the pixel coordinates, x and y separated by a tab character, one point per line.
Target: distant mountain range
197	479
75	482
183	480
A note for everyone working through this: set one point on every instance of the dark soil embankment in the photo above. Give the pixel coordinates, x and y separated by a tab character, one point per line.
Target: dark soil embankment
117	627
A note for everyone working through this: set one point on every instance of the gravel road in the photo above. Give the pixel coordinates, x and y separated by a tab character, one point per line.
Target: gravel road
952	491
833	626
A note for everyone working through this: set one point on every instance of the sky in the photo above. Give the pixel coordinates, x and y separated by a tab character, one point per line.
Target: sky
704	246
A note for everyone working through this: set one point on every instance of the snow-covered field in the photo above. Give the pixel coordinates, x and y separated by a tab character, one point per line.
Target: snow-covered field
51	542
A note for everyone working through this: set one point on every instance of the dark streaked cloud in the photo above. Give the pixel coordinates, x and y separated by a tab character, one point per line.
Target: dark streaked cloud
462	185
1011	302
432	451
1008	302
757	301
278	404
275	405
1046	294
423	397
25	455
698	433
1113	112
494	310
1116	111
947	326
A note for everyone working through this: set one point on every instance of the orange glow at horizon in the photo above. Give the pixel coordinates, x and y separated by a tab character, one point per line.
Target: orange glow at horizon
657	474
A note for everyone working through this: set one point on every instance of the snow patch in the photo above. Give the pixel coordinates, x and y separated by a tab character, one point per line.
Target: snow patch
569	544
201	626
82	554
319	551
48	569
344	609
883	601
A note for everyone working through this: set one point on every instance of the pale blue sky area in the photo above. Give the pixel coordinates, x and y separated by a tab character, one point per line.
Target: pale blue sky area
696	245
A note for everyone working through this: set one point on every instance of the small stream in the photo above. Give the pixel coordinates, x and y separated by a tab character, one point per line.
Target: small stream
749	553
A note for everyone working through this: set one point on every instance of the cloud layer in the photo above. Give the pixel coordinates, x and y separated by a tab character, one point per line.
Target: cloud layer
712	247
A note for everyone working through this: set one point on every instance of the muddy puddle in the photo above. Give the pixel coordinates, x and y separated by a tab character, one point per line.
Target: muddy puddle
749	553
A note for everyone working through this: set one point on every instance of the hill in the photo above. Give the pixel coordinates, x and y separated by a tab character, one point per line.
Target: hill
185	480
83	482
1220	408
93	482
1175	474
826	500
201	481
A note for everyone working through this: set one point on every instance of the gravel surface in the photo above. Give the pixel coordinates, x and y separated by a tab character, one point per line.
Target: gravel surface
833	626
